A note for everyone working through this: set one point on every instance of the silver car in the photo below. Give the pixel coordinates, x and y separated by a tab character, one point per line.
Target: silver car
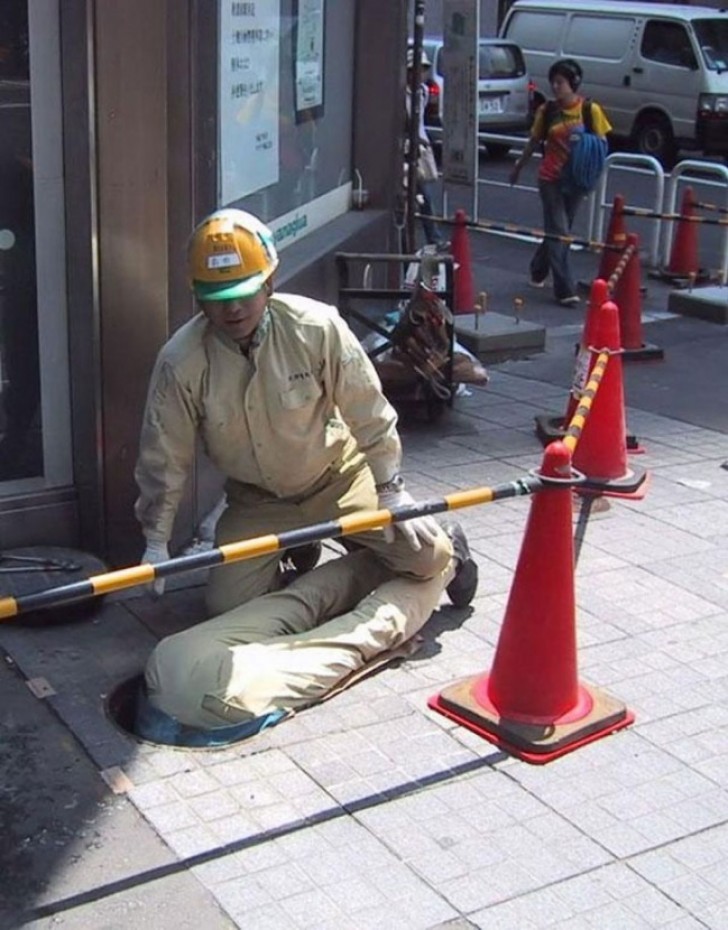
505	92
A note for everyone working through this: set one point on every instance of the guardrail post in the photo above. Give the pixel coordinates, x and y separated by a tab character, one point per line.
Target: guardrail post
598	206
699	169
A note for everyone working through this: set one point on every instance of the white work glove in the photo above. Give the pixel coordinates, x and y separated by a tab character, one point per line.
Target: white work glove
206	529
157	551
417	530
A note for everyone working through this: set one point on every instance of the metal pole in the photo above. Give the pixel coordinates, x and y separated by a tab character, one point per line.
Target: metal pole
415	81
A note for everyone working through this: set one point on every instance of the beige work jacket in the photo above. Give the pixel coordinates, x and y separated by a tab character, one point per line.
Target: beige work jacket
305	400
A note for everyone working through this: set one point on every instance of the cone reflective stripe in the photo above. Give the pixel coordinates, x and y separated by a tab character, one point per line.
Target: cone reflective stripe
617	236
532	703
601	453
684	252
464	289
628	297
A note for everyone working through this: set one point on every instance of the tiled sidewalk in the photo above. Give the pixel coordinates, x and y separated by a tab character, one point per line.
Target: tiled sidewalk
371	811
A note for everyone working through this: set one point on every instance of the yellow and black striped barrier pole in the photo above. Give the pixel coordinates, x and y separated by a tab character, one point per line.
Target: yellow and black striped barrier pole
621	265
710	206
592	244
136	575
579	417
688	218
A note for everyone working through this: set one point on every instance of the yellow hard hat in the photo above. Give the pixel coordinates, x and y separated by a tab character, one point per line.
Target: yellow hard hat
230	254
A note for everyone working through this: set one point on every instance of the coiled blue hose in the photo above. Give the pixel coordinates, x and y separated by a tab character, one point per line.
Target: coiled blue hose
586	161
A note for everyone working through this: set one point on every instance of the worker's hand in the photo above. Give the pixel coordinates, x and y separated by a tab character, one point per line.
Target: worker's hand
416	531
156	551
206	529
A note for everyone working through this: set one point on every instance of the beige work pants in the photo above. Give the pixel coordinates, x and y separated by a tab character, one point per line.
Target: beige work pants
287	649
252	512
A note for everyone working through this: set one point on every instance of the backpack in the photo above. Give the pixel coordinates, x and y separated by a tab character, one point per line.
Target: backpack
587	153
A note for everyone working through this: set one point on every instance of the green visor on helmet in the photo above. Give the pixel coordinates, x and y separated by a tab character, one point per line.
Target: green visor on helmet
207	290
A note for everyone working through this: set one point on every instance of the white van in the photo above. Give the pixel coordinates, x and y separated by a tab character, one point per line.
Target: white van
659	70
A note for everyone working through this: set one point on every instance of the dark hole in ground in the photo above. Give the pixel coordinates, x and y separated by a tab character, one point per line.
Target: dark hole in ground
121	704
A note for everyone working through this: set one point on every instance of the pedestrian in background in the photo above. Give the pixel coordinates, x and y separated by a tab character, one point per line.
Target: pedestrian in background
427	172
560	202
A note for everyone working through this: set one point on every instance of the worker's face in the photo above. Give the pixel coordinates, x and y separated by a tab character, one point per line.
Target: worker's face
238	318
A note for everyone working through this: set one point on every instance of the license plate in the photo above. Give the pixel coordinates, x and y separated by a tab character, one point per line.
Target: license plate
491	105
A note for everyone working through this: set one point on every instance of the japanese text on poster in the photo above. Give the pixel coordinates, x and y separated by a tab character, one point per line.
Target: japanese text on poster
249	77
309	55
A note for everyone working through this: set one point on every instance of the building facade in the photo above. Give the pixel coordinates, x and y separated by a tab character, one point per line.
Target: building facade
124	123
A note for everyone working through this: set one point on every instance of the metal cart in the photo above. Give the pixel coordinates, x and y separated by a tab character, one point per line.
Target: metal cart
404	379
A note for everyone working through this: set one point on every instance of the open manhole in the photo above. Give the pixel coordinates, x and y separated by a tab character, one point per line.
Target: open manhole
121	704
36	569
121	709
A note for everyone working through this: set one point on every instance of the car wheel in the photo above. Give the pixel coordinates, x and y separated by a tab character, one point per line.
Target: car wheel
497	149
653	136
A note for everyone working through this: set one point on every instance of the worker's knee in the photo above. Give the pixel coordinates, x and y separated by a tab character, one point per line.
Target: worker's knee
229	586
431	560
180	671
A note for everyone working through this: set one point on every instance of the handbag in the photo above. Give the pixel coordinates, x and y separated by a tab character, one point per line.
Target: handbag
426	164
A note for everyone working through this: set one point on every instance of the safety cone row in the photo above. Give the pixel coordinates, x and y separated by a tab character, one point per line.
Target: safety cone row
628	297
464	289
531	703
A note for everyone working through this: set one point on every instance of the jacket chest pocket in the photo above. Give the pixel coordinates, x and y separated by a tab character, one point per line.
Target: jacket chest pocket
300	396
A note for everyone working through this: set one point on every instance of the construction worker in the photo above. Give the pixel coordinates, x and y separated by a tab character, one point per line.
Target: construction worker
289	407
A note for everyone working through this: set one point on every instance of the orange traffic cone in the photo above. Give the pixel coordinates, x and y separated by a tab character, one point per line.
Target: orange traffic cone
628	297
548	427
601	451
616	236
532	703
684	253
464	291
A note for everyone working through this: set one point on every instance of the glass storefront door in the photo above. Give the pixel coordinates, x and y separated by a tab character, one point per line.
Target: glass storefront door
34	434
20	447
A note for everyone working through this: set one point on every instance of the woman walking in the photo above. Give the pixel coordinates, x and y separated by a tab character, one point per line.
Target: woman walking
554	123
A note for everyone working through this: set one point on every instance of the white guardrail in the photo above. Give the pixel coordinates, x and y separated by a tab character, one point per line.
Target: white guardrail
693	172
598	206
663	197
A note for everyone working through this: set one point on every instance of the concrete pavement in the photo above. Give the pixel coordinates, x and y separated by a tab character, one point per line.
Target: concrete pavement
370	810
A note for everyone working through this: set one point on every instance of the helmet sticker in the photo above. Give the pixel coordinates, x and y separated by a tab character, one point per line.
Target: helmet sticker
223	260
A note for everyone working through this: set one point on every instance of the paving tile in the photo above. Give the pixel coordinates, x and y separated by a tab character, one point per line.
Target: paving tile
223	868
191	841
310	909
241	896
